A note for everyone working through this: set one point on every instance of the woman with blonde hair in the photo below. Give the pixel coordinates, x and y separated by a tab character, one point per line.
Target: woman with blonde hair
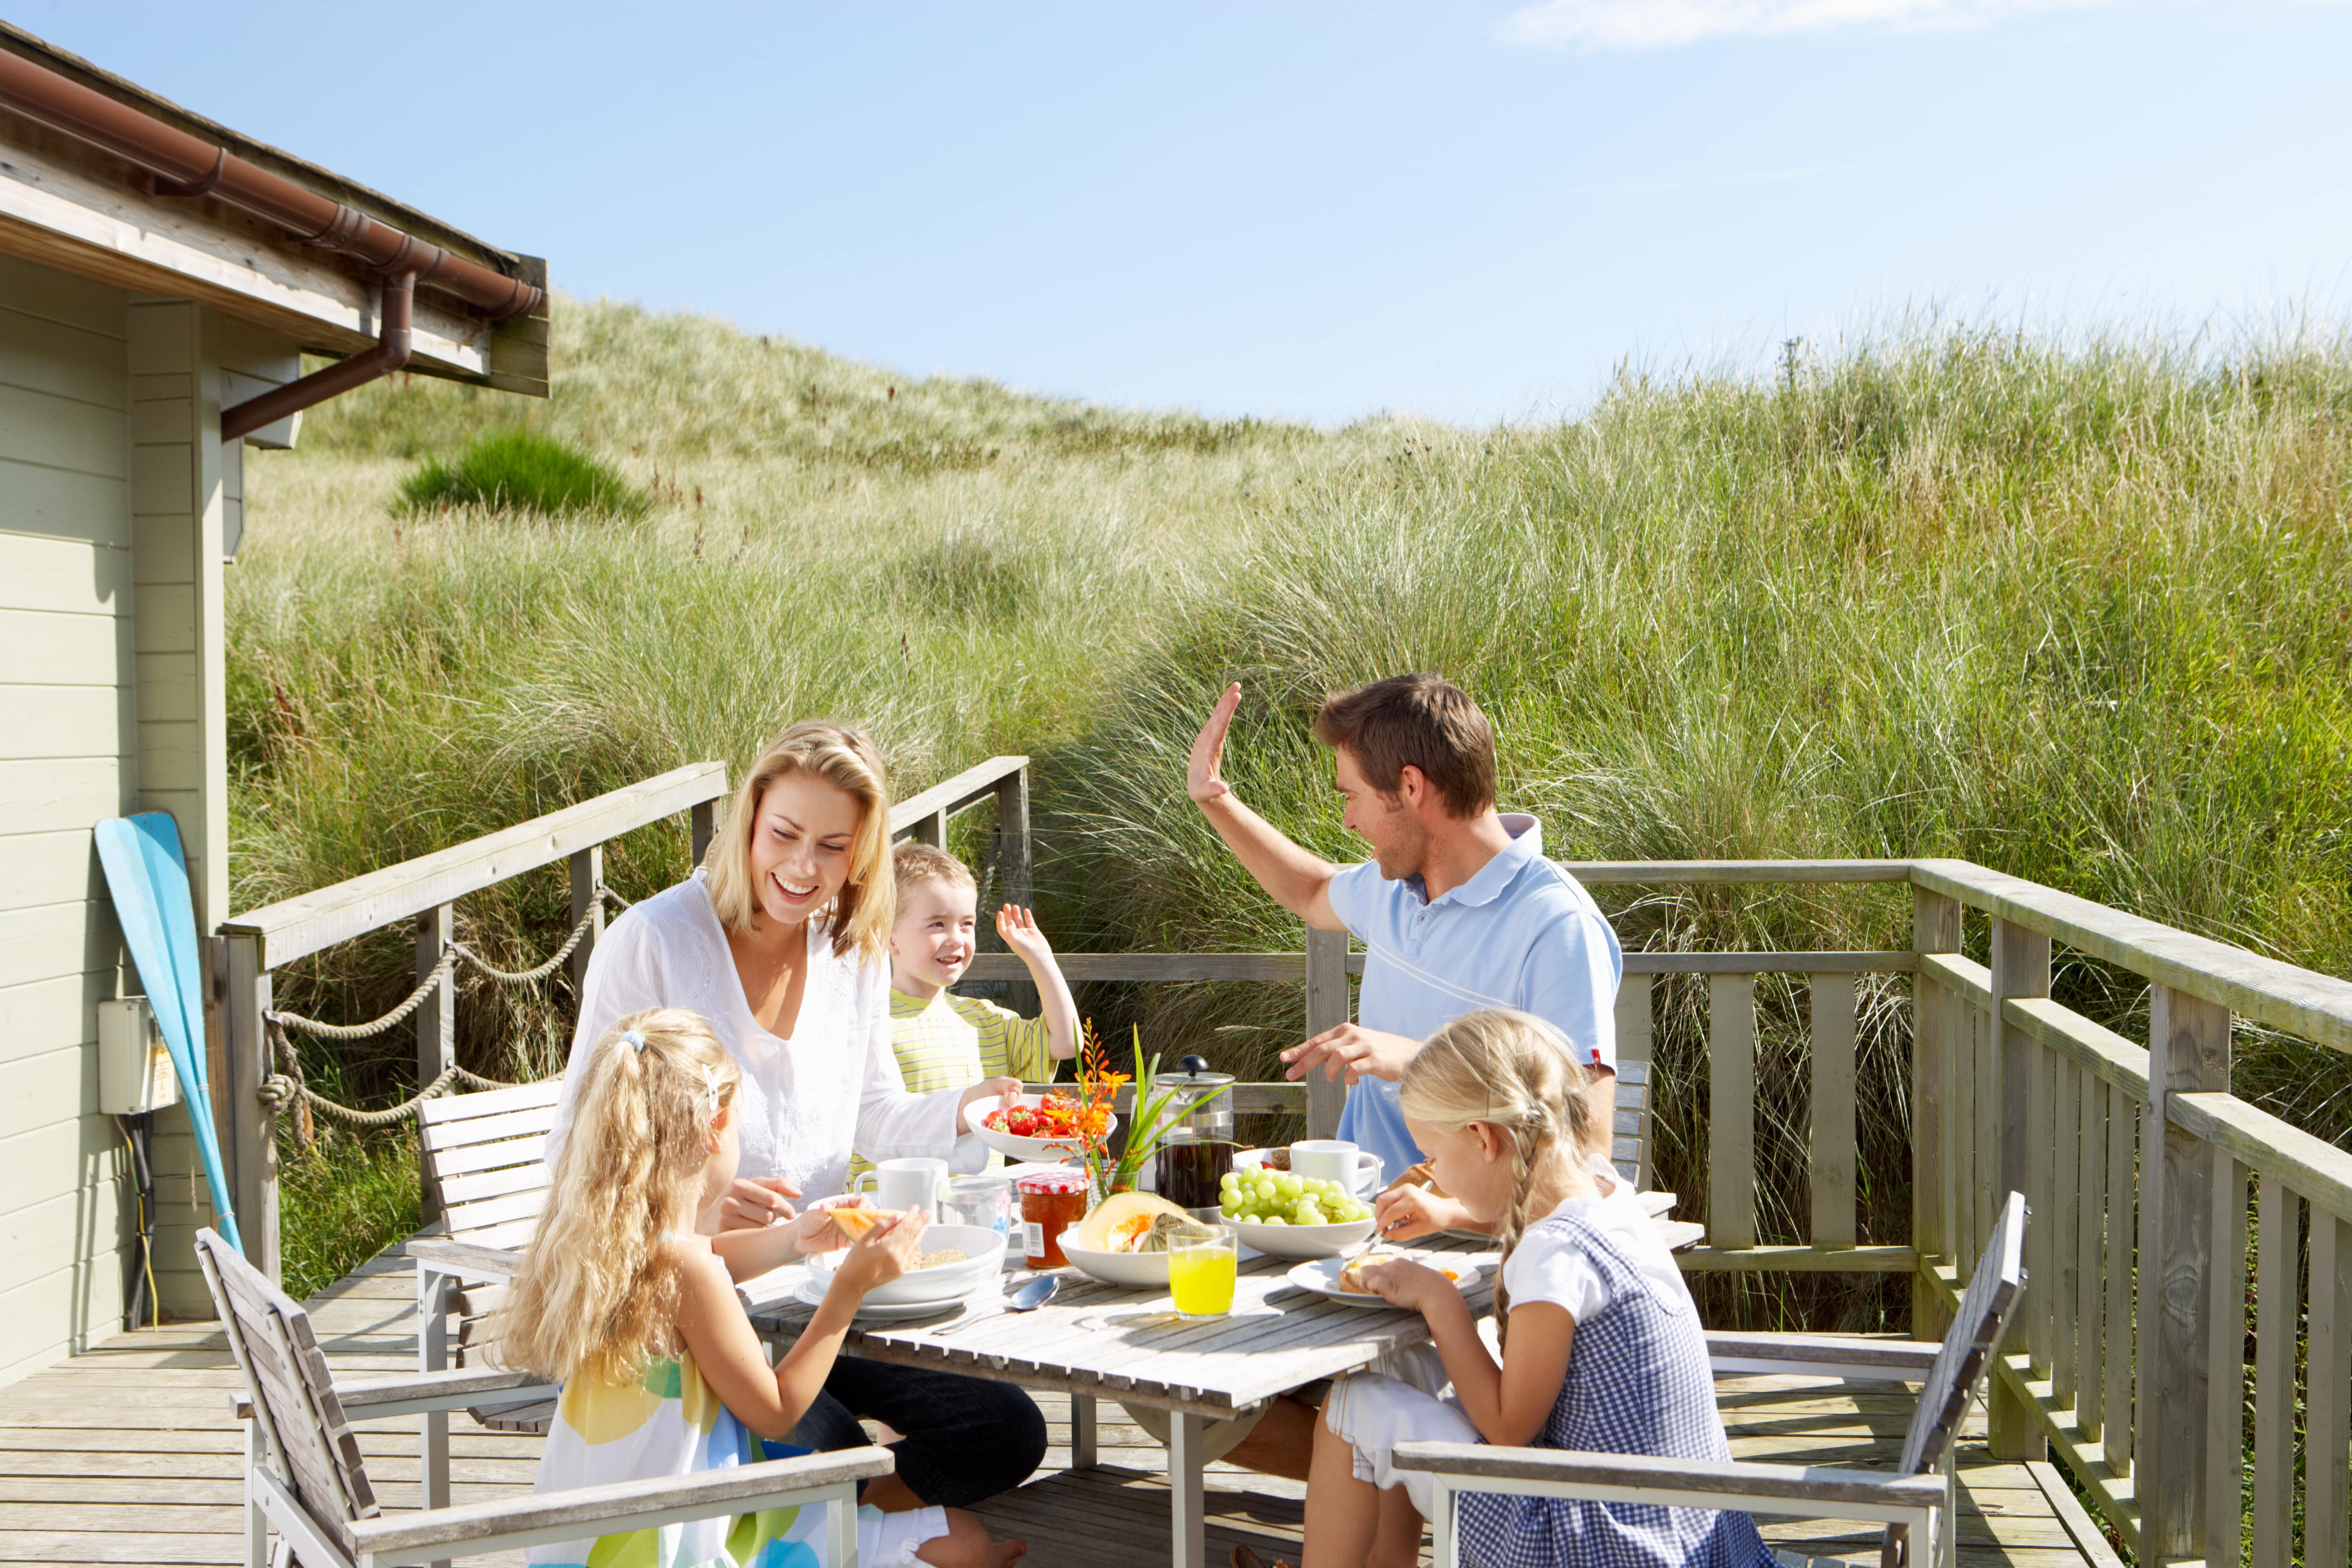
637	1316
780	940
1601	1345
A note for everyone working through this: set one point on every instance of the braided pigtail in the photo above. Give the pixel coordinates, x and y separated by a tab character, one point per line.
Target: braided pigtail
1516	1073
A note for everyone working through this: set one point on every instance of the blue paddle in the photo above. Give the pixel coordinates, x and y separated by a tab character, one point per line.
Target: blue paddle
148	875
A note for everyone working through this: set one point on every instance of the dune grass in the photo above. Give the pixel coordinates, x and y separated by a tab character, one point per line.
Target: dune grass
2078	612
515	470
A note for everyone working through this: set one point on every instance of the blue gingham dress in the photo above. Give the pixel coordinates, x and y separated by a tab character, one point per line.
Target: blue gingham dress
1638	1382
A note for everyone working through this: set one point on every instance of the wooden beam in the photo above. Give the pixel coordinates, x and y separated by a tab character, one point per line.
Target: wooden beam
65	205
2272	1149
960	794
1593	872
2189	1052
1798	1260
2300	1002
304	924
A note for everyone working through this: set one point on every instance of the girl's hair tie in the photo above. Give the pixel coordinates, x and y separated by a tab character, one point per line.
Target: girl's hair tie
710	1089
635	1037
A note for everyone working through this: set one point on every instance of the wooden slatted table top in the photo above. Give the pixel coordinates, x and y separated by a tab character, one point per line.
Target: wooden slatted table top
1094	1338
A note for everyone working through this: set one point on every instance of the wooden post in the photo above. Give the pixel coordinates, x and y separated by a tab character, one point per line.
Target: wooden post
1016	862
2276	1289
2327	1423
2090	1223
702	825
1934	1214
249	1134
1731	1112
1830	1152
587	876
437	1020
1326	1008
2020	967
2187	1052
2123	1196
2225	1365
932	830
1633	1045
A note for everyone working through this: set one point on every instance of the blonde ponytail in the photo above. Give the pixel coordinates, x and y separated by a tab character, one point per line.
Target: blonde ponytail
593	1297
1516	1073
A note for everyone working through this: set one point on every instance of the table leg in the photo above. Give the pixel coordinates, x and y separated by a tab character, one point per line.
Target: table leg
432	1355
1187	1503
1082	1431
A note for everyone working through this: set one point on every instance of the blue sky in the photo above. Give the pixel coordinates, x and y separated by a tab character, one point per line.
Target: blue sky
1471	211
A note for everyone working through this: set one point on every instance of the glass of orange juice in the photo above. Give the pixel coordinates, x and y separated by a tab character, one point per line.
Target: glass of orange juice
1200	1274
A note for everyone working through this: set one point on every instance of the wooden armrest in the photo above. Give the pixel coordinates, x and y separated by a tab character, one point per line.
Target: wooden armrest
622	1505
1829	1355
1657	1206
1740	1484
407	1394
464	1259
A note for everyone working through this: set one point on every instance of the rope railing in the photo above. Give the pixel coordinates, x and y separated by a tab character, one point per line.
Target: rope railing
288	1087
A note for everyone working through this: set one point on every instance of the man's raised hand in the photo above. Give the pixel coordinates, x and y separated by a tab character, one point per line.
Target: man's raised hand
1201	779
1353	1050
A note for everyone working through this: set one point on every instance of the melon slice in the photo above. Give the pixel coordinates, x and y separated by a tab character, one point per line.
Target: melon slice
854	1223
1122	1220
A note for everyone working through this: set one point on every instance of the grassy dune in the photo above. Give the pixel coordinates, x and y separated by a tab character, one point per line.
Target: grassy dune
2079	613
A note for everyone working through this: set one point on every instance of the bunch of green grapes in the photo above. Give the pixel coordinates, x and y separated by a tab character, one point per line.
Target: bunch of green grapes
1262	1196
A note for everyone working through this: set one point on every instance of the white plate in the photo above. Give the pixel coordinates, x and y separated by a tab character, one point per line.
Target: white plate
983	1251
811	1294
1322	1277
1011	1148
1302	1240
1129	1270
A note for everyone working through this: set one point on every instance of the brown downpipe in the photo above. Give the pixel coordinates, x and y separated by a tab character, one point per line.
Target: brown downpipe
186	165
388	355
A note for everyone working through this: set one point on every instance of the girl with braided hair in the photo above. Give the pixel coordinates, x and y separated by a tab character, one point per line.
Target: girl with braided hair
1601	1345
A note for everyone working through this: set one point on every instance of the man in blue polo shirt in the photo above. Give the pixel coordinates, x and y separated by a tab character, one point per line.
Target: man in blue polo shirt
1457	909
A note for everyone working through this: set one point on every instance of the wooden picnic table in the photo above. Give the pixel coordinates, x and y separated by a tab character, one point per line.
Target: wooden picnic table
1094	1340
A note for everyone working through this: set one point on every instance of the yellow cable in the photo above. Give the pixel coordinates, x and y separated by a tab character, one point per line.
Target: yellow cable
146	1247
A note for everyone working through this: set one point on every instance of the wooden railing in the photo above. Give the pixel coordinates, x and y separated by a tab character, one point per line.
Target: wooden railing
2137	1164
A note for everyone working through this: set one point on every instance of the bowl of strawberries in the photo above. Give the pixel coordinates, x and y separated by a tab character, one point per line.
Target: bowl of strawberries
1050	1126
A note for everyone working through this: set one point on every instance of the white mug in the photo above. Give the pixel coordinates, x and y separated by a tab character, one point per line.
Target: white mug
1325	1159
910	1184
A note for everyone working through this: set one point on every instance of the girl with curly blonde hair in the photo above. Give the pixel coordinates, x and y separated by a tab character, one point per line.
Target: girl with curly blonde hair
637	1316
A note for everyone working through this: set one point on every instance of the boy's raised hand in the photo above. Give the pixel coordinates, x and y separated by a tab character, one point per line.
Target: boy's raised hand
1203	780
1019	928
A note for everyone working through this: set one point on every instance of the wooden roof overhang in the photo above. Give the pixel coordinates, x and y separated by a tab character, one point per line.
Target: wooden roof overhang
68	205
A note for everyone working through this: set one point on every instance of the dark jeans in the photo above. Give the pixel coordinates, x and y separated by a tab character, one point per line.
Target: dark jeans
965	1439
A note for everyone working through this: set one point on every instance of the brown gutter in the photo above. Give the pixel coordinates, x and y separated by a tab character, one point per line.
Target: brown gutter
388	355
186	165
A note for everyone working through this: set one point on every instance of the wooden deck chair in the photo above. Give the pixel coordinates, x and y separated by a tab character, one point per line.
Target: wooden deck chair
305	1478
486	1174
1916	1502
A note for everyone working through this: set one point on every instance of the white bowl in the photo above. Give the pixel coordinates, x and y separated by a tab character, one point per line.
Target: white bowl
983	1251
1013	1148
1302	1240
1132	1270
1368	1167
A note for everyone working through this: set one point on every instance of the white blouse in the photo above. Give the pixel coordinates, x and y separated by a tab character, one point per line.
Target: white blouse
803	1101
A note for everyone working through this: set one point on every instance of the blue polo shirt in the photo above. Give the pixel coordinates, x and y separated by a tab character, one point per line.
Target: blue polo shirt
1522	933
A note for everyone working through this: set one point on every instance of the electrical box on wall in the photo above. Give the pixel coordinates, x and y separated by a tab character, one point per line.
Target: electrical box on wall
134	1067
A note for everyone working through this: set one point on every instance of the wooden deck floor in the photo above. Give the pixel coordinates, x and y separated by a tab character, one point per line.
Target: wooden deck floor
129	1454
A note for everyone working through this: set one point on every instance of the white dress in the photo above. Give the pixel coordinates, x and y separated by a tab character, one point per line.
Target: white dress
804	1102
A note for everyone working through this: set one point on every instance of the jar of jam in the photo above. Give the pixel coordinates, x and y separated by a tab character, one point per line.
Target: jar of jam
1051	1201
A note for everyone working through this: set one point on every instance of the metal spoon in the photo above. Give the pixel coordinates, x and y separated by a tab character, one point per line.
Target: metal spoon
1027	1298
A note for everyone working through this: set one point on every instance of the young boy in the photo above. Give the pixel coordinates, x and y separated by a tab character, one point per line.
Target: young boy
945	1041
